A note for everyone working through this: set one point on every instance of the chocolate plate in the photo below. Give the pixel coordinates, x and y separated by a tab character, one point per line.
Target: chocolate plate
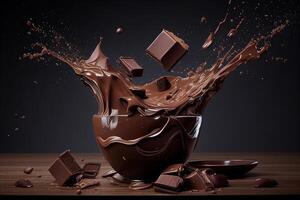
229	168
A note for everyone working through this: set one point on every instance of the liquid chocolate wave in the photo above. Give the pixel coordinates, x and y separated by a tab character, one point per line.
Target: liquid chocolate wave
116	93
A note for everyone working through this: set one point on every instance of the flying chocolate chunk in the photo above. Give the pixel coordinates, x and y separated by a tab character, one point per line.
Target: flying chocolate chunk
132	67
167	49
65	169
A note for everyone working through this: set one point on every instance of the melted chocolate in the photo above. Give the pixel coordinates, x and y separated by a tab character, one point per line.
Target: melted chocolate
140	137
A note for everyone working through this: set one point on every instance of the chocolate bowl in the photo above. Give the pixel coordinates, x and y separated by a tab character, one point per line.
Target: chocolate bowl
140	147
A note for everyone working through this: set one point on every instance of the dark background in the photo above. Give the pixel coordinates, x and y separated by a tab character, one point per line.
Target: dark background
46	108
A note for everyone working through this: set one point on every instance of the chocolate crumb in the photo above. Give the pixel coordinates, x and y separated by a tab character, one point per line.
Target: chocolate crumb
28	170
23	183
265	182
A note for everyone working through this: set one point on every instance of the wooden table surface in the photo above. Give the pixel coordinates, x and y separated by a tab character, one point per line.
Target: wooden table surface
284	167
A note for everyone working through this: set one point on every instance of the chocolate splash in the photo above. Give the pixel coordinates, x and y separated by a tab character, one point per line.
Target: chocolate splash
233	31
210	38
170	118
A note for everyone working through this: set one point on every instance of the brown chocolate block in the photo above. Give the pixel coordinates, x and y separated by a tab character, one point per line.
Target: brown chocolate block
90	170
167	49
169	182
198	181
132	67
65	168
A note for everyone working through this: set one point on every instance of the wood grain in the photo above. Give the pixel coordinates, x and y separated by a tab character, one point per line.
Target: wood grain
284	167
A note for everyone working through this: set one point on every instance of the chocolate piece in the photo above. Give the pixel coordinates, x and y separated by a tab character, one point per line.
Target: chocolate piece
197	180
64	169
23	183
85	183
139	185
169	182
39	176
28	170
175	169
163	84
219	180
167	49
109	173
132	67
265	182
90	170
139	92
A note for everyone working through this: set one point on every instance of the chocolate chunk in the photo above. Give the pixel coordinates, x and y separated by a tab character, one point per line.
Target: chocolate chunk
163	84
85	183
169	182
167	49
219	180
175	169
265	182
65	169
139	185
198	180
132	67
23	183
109	173
90	170
139	92
28	170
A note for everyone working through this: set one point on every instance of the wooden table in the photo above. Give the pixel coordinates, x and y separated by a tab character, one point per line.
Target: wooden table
284	167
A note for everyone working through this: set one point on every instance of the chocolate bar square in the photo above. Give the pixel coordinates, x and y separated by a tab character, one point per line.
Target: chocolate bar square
65	168
169	182
132	67
167	49
90	170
